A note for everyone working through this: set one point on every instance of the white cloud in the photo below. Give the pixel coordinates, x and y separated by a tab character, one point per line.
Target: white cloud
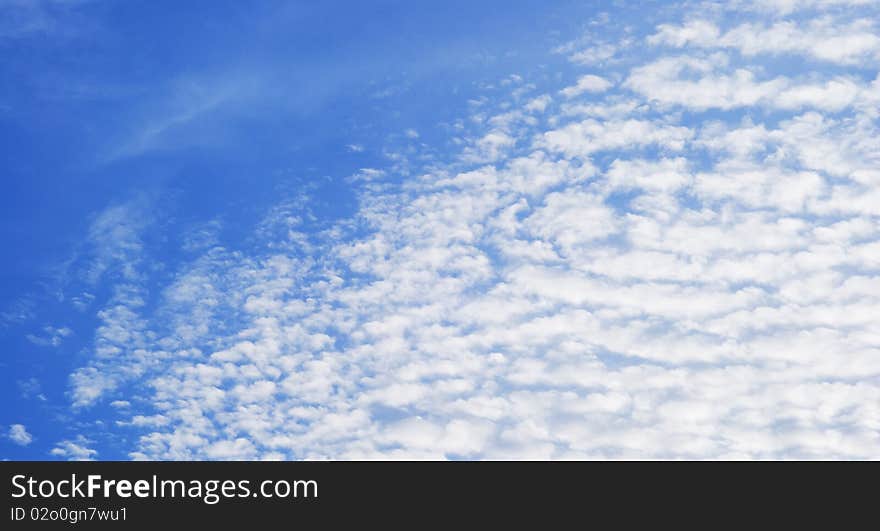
665	175
593	55
538	104
703	84
19	435
586	83
790	6
75	449
114	240
825	38
671	81
833	95
695	32
590	136
490	147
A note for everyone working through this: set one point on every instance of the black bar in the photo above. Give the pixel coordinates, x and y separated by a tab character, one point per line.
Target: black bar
578	494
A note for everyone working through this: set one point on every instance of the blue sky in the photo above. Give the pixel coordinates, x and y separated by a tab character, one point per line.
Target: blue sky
439	229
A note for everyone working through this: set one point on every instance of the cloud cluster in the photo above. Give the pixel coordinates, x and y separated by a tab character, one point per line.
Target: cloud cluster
686	266
824	38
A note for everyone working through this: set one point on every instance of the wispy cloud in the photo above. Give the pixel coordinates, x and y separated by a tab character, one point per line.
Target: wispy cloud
50	336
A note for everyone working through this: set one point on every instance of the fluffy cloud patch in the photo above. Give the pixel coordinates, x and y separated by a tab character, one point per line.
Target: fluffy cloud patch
587	83
74	449
19	435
